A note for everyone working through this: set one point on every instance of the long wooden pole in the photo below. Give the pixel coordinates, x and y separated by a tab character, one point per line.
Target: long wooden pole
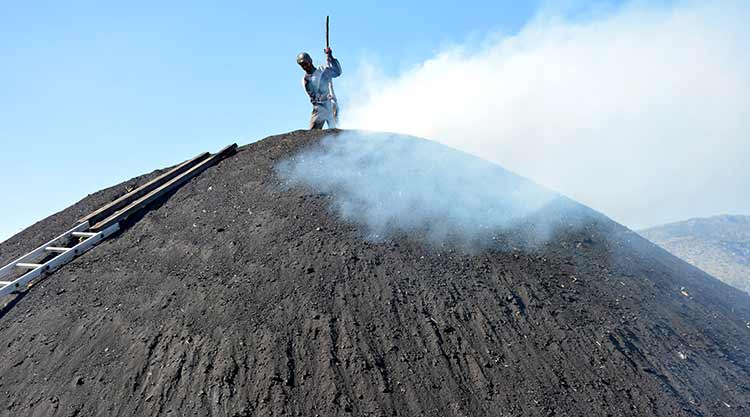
327	33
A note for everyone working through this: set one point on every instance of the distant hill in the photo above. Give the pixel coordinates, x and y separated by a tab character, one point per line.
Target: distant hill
719	245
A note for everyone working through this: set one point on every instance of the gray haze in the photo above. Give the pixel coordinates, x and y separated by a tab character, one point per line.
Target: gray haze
641	111
391	184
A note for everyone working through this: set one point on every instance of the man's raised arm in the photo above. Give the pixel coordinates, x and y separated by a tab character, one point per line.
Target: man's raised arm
333	67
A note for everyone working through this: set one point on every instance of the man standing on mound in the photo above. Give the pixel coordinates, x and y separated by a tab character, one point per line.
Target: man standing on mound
318	83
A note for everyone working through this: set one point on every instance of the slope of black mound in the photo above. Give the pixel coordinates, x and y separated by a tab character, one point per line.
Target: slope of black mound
239	296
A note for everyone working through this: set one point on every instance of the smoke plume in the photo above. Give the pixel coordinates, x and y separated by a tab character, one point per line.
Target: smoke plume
393	184
641	111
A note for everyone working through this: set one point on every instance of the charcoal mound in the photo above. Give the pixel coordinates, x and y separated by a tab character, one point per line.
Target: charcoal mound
243	294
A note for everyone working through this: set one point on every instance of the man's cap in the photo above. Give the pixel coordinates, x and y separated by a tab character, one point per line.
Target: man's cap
304	57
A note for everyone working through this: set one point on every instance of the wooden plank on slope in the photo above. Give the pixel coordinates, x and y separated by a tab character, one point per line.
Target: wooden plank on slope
174	183
144	189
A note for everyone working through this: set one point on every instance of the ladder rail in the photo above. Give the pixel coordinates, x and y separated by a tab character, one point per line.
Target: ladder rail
40	252
58	261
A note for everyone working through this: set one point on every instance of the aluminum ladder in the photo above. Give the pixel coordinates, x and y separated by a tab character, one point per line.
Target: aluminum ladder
52	255
101	223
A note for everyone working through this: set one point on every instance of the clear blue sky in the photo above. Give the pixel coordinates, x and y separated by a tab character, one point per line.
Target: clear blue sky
94	94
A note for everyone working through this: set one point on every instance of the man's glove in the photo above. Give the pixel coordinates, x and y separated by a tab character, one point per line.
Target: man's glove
328	51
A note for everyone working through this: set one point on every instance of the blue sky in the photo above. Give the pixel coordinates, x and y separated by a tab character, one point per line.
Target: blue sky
95	93
571	93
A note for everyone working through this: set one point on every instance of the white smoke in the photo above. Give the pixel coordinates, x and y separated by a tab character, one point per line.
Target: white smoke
393	184
642	112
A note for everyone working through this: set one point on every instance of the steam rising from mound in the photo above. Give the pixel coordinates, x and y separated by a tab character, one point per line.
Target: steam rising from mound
390	183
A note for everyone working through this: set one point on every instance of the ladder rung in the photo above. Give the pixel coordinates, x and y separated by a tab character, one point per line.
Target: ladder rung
56	249
28	266
83	234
